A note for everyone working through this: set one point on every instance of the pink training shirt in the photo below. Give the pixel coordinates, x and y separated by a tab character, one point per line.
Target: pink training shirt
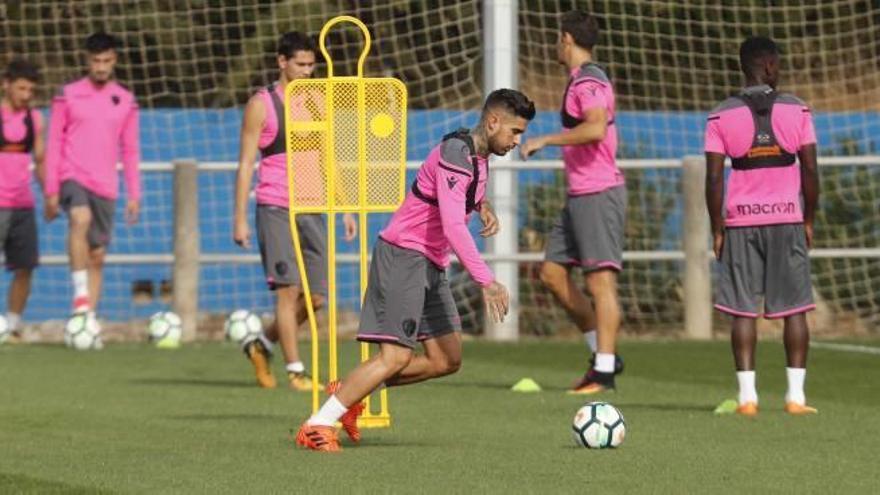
90	127
15	174
590	168
435	230
762	196
272	188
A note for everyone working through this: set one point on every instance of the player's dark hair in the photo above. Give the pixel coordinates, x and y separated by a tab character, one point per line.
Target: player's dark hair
21	69
101	42
583	27
295	41
753	51
512	101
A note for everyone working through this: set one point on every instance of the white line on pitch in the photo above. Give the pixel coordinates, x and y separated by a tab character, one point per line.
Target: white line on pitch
846	347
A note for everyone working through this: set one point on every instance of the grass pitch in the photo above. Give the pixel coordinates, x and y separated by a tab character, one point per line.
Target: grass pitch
134	419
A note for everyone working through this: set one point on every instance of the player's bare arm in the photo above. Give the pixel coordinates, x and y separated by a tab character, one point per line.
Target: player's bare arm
40	157
591	130
715	198
810	184
252	123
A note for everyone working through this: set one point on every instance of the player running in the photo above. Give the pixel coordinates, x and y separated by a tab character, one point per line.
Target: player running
94	122
589	231
21	135
762	239
408	298
263	129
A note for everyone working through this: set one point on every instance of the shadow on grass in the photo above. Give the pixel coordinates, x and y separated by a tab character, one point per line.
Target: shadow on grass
666	407
194	382
490	385
230	417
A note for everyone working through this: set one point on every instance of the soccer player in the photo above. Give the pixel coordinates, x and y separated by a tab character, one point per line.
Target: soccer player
263	129
762	238
589	231
408	298
21	135
94	123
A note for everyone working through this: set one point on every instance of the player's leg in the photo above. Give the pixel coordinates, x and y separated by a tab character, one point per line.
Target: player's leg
740	286
98	237
556	277
319	432
288	303
442	357
22	256
789	296
439	331
597	229
75	202
96	275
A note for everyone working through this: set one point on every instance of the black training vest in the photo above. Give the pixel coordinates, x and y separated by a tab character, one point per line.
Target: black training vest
277	146
765	151
470	204
23	146
569	121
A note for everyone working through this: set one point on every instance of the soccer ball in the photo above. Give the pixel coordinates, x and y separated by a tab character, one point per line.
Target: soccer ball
243	326
4	329
598	425
164	329
82	332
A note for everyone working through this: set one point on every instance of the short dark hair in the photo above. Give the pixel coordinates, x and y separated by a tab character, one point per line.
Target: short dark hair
512	101
295	41
583	27
753	51
101	42
21	69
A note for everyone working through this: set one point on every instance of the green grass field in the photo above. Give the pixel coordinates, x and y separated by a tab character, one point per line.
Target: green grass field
136	419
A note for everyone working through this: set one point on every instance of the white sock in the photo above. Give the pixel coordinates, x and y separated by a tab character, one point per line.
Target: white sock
604	363
14	320
747	391
590	339
796	377
329	413
268	344
80	283
296	367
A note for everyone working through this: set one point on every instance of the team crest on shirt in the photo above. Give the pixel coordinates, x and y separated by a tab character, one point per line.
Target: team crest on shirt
451	182
763	138
115	99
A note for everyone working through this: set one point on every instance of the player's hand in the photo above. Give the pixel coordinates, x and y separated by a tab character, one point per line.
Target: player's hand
808	231
241	234
351	227
132	211
50	207
718	244
497	301
531	147
490	221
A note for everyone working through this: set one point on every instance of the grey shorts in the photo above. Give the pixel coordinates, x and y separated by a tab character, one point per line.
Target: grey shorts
103	209
18	238
589	231
769	261
276	248
408	299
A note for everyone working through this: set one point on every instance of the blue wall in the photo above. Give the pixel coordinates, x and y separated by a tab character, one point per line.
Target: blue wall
212	135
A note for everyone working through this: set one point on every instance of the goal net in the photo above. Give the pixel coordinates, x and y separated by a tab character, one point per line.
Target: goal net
194	64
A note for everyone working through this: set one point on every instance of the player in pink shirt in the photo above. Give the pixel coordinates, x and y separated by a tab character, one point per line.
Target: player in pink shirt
263	130
21	136
763	232
408	298
94	123
589	232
